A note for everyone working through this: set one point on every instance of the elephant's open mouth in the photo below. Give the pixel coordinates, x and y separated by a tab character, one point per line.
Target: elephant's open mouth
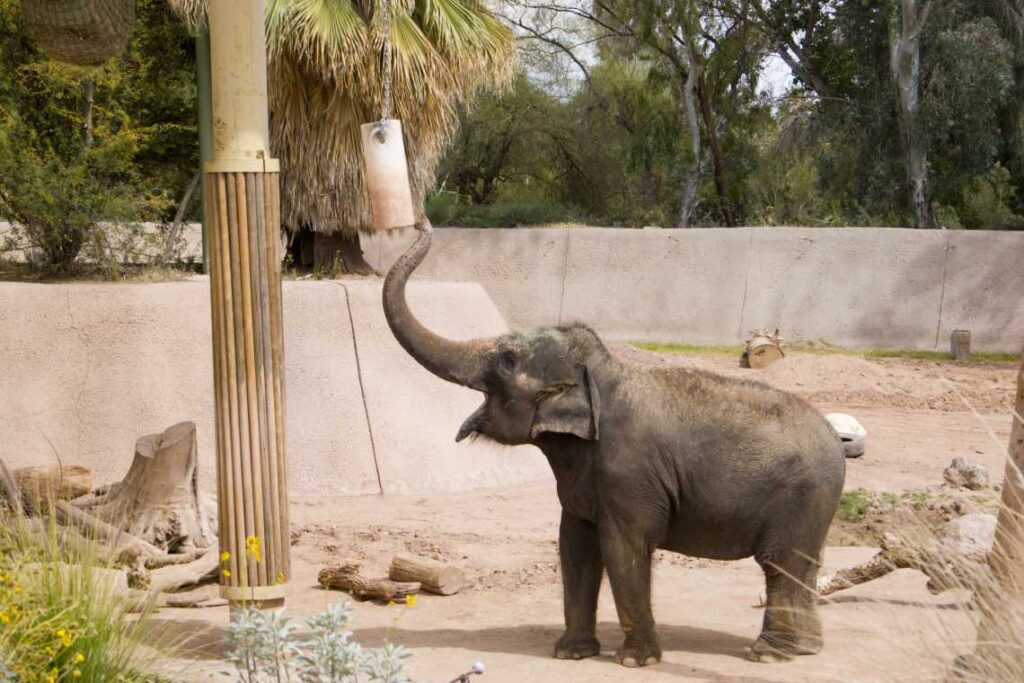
474	423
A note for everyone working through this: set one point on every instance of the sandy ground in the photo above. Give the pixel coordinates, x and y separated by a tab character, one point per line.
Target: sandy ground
708	612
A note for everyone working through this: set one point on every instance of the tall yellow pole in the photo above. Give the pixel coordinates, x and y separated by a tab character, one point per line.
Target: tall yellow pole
243	214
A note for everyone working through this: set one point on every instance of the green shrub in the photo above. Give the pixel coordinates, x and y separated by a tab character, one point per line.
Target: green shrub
263	646
986	203
442	210
64	622
59	201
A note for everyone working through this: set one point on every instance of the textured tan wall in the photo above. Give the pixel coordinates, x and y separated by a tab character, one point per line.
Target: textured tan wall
85	369
856	287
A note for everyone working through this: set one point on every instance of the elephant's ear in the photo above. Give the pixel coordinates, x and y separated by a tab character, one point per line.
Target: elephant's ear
569	408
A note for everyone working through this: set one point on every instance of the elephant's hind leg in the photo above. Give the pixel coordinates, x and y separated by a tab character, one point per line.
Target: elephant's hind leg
791	622
582	568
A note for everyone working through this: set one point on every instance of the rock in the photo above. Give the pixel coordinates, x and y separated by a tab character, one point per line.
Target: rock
970	536
967	475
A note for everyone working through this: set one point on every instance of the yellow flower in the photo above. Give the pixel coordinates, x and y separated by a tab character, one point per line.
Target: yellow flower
225	556
65	637
53	675
410	600
75	673
79	658
280	577
390	603
252	547
226	573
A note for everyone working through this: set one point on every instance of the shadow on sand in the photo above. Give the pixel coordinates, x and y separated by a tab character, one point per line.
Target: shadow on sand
200	640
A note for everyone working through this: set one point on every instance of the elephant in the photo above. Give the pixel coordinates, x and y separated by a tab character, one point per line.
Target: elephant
645	458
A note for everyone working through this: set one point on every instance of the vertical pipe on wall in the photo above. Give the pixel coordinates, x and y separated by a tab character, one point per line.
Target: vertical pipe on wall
204	101
243	220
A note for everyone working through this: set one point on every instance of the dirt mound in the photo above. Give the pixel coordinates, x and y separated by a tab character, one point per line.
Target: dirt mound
839	379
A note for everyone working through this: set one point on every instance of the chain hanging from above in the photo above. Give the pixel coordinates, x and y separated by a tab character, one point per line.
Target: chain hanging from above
387	169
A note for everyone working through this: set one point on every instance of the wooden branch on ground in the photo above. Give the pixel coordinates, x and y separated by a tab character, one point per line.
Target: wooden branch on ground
895	554
434	577
205	596
98	529
347	578
177	576
40	486
180	557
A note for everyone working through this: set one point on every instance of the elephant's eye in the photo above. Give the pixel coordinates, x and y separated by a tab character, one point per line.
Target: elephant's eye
507	361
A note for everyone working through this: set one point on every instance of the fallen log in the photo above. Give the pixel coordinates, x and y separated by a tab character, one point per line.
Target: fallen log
433	576
40	486
99	529
177	576
763	349
347	578
204	596
895	554
183	556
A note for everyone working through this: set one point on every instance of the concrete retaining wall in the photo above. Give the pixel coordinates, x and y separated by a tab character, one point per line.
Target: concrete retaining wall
85	369
856	287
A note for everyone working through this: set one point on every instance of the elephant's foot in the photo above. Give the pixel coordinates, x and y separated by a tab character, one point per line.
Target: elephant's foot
770	650
638	652
763	651
572	647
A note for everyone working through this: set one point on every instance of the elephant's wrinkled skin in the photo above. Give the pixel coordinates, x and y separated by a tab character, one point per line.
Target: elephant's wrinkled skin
649	458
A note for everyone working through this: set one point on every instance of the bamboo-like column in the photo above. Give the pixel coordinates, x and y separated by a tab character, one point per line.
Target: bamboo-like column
243	218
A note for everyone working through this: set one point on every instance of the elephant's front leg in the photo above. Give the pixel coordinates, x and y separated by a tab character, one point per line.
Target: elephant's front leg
580	552
628	559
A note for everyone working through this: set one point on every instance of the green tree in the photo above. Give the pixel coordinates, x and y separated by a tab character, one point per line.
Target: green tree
325	80
523	137
81	146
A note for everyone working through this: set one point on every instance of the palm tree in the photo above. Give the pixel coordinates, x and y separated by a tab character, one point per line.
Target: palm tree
325	80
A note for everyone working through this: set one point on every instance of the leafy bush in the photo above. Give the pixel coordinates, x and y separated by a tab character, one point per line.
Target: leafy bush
61	622
264	647
58	202
85	153
987	202
443	210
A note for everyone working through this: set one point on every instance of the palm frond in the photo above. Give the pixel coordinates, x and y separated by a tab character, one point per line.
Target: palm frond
325	80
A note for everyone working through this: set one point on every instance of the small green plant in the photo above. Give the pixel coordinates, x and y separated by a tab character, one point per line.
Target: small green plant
264	647
62	621
854	505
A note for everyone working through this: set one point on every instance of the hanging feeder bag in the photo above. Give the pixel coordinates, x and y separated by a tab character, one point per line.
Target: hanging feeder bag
387	175
80	32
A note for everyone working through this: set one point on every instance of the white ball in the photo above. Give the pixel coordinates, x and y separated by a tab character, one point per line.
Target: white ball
479	668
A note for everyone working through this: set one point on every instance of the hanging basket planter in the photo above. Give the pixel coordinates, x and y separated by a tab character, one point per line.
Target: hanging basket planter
80	32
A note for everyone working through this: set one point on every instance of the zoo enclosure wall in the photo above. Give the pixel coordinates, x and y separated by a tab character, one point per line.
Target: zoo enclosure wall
854	287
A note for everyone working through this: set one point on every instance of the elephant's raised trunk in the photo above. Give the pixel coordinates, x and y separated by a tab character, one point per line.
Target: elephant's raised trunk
460	362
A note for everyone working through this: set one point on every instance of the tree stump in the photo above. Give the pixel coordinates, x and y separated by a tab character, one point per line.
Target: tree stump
347	578
158	500
434	577
763	349
41	486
